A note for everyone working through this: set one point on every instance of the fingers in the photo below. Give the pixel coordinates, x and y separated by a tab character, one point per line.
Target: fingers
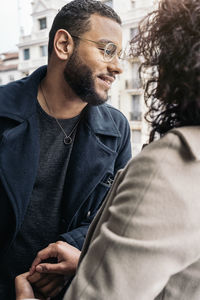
46	253
22	287
56	291
22	277
49	295
36	277
45	280
49	285
67	257
53	287
59	268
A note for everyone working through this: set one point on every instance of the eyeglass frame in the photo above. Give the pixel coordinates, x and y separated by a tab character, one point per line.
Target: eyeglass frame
104	49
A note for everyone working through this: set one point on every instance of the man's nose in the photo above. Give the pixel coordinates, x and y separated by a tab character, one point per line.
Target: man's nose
114	66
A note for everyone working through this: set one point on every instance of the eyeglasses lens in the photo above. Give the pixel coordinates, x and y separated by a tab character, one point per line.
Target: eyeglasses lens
110	51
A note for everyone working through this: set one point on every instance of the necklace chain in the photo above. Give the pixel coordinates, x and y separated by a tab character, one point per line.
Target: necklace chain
68	138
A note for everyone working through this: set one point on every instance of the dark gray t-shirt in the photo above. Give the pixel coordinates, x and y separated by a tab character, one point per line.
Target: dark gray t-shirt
41	224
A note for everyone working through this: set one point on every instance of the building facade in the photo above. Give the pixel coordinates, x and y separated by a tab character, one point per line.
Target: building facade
126	93
9	67
33	48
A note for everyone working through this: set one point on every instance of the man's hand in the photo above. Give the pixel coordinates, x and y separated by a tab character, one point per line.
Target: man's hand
23	287
47	285
48	279
67	257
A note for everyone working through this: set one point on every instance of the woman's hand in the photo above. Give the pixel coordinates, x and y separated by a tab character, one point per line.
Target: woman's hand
23	287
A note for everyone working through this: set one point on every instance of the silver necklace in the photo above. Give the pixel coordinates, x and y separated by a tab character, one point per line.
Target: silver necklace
67	138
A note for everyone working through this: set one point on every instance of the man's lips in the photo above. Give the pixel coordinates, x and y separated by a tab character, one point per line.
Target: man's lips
108	80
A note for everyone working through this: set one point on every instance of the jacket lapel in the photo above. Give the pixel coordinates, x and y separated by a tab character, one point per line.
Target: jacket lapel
90	159
19	147
19	153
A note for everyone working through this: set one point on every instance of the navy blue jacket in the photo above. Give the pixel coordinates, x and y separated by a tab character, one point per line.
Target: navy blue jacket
101	147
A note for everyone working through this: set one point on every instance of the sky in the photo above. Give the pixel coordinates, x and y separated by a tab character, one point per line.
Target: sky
13	15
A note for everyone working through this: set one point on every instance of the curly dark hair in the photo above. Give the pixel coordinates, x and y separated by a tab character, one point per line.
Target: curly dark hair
74	17
169	42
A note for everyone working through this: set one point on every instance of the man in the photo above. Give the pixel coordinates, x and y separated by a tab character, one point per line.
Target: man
61	145
144	242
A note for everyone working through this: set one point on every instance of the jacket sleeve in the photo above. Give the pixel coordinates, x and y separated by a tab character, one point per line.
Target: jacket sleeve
77	236
143	236
124	151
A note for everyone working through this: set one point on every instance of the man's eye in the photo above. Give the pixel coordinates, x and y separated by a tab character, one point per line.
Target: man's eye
102	49
108	52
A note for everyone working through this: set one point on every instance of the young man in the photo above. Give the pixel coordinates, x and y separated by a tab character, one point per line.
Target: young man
144	242
61	145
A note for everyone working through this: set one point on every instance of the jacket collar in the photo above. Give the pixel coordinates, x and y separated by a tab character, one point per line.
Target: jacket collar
190	135
18	101
100	120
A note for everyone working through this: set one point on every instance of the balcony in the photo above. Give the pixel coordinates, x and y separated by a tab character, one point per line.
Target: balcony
32	64
135	116
133	84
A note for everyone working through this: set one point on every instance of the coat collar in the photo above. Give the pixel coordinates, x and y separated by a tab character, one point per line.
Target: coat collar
18	102
190	135
18	99
100	120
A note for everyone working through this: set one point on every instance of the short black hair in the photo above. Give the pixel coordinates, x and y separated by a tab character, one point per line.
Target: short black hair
74	17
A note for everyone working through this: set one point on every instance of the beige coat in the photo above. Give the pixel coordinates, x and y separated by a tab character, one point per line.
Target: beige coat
145	242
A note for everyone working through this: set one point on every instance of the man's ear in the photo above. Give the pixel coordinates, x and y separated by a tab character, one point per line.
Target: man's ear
63	44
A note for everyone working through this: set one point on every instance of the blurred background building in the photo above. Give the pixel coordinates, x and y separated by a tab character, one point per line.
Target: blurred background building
126	93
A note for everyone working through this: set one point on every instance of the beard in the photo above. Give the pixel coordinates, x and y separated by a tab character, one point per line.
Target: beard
79	77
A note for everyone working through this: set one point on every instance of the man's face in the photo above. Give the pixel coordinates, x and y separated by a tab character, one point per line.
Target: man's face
86	72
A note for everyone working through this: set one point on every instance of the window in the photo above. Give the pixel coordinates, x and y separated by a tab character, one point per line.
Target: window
135	114
42	23
133	3
136	81
109	3
133	32
26	54
43	50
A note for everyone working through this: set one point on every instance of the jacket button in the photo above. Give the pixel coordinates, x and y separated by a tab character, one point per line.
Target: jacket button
88	214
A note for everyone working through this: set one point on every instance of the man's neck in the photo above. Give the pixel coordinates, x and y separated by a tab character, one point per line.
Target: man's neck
58	100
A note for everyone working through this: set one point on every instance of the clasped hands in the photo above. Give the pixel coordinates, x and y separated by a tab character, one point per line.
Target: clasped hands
45	280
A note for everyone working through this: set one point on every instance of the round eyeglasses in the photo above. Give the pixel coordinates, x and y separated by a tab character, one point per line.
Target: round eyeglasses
109	49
